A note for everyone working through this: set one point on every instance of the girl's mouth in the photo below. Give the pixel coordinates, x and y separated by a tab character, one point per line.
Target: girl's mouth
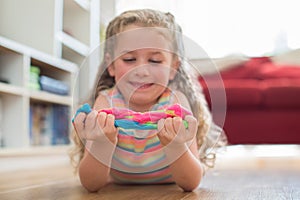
141	85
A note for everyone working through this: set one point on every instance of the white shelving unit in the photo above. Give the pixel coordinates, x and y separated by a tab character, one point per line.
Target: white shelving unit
16	96
68	29
80	36
81	25
49	25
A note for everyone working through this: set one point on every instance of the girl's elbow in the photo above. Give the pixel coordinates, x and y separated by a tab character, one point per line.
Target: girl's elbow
92	187
189	188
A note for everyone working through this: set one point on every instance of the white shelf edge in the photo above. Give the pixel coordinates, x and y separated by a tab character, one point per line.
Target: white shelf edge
51	98
94	24
23	49
56	62
11	89
85	4
73	43
34	150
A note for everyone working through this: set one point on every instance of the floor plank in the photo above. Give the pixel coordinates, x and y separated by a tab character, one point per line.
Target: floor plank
243	176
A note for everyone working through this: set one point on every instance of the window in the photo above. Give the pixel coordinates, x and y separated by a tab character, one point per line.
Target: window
251	28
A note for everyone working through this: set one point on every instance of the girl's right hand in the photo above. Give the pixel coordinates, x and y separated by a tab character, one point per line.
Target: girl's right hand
96	127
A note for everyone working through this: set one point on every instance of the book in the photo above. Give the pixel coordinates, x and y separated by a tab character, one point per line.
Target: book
49	124
54	86
46	122
34	78
61	123
35	124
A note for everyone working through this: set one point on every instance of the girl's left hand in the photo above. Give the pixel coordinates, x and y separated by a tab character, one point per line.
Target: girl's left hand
173	130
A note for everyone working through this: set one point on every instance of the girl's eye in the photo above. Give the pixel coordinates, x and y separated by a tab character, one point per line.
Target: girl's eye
155	61
129	59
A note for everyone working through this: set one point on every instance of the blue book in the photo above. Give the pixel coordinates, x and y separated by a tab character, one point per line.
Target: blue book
60	125
54	86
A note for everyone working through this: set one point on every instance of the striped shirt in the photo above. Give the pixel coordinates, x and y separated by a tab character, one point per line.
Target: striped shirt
139	157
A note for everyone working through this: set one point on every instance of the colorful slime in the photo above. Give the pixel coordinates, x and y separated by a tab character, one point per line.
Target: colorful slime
129	119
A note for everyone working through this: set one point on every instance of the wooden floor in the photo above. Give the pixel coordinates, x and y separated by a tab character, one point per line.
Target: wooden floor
242	172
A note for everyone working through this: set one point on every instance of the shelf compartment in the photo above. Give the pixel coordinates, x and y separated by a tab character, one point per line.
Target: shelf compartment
49	124
30	22
85	4
14	130
76	21
53	72
11	67
50	98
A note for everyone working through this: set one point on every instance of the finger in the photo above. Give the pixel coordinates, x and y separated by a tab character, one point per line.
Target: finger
102	119
110	130
169	126
79	122
160	124
90	121
110	124
192	124
162	133
177	124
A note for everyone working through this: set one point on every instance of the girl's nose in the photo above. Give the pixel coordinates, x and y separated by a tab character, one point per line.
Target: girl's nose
142	70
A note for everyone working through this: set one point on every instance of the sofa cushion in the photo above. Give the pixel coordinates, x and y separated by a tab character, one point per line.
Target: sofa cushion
239	93
261	68
270	70
243	93
250	69
281	93
214	92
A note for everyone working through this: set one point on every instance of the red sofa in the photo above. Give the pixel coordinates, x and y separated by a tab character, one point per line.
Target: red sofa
262	101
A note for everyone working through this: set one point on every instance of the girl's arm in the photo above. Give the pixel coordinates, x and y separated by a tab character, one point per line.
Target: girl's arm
187	170
94	169
101	138
181	148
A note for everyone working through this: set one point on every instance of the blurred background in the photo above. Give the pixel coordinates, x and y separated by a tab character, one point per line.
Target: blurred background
47	65
252	28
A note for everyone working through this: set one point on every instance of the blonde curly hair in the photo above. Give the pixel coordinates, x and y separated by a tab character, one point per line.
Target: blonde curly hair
208	135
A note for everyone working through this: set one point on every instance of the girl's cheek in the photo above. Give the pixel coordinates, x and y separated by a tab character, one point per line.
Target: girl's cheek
121	74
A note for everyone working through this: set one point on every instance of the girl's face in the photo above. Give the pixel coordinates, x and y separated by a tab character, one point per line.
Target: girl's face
143	67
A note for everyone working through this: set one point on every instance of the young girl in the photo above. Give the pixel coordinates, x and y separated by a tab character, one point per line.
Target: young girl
143	70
